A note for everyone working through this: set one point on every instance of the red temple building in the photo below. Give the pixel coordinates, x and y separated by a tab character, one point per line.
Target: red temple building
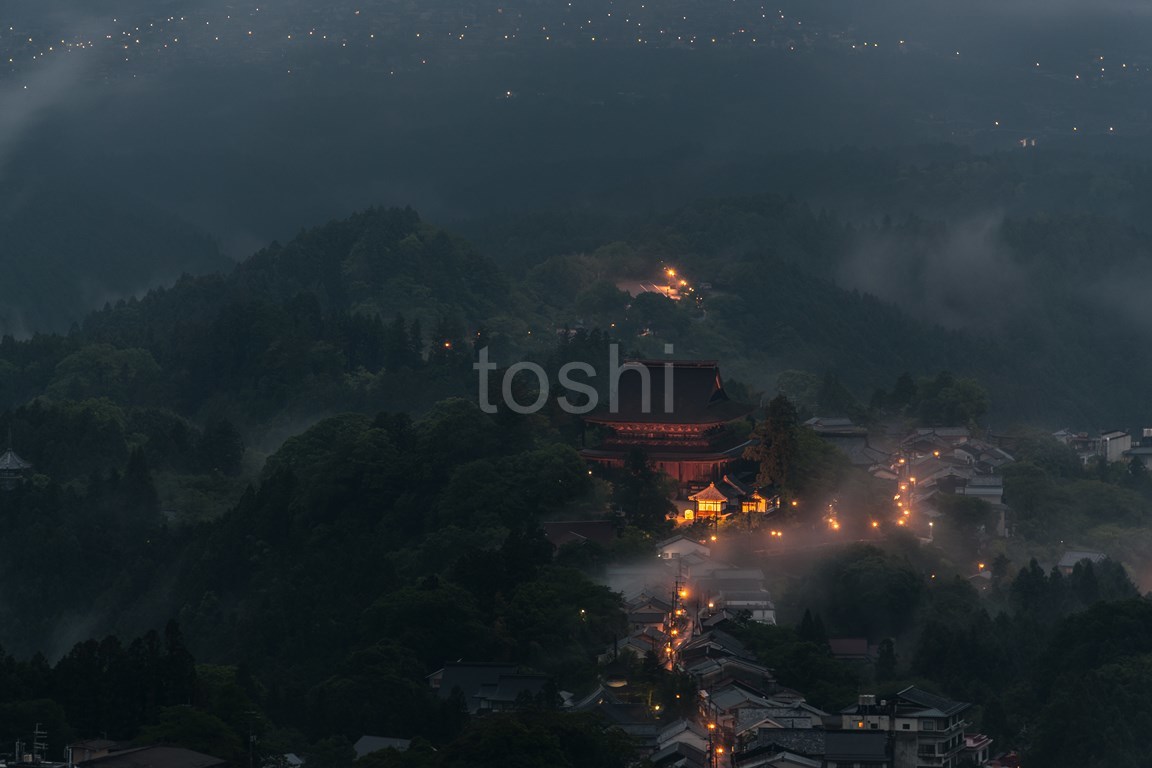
684	430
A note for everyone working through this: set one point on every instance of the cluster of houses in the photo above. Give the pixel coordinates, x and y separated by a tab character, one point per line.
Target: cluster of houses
682	610
743	718
1114	445
680	614
925	464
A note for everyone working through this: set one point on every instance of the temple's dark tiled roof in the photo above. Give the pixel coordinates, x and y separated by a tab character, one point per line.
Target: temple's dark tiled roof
10	462
698	395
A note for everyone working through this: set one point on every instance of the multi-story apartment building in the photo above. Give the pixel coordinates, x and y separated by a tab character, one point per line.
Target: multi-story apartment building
927	730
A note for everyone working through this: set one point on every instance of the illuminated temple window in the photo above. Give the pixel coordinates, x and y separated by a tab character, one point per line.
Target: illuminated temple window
755	504
709	501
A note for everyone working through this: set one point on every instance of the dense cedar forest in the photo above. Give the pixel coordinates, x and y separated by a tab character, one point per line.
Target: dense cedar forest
278	482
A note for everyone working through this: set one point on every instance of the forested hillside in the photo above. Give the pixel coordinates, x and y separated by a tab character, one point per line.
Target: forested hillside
1036	303
375	549
287	461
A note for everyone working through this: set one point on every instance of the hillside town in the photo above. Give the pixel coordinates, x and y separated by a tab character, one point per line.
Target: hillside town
684	610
